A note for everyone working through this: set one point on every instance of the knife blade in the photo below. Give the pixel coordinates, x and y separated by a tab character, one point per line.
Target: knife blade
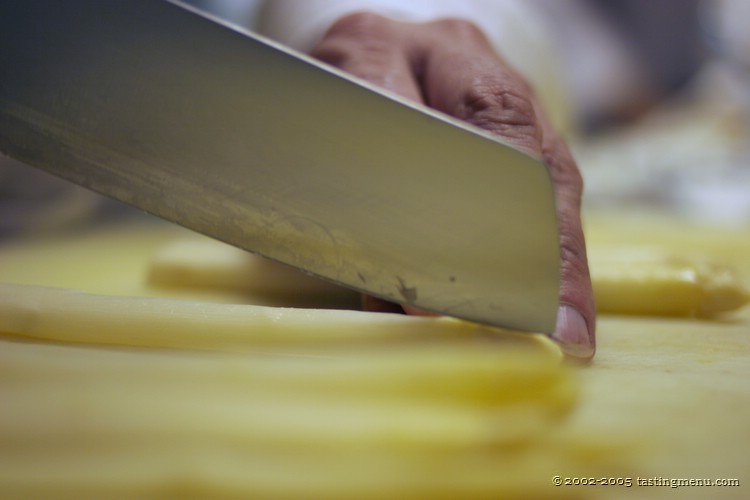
229	134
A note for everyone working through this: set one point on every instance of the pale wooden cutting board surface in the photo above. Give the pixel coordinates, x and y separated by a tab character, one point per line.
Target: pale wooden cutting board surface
675	393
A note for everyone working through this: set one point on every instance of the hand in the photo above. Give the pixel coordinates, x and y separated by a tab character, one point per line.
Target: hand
450	66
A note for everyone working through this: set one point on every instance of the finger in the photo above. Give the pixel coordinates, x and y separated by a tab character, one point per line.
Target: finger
376	304
576	323
373	48
468	80
481	89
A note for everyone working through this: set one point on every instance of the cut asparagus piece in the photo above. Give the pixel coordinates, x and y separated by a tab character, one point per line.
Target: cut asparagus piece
210	264
73	316
486	373
93	421
650	282
639	281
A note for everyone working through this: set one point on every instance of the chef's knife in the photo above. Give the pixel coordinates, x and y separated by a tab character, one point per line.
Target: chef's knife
229	134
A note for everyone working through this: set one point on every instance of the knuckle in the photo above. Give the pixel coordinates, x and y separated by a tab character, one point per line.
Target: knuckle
573	253
361	25
501	108
331	53
563	168
499	103
460	30
360	43
574	271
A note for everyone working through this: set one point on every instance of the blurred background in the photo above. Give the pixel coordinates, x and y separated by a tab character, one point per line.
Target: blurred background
657	106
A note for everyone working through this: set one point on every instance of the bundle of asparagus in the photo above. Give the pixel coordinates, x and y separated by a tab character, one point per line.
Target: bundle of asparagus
151	397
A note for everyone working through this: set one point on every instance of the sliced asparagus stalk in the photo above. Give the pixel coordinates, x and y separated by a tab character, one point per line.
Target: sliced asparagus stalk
209	264
481	374
647	282
639	281
71	316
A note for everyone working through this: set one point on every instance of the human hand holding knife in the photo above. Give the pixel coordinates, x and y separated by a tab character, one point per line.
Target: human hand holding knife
449	65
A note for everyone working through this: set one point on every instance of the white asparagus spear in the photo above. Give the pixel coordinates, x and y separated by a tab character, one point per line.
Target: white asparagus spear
651	282
627	280
72	316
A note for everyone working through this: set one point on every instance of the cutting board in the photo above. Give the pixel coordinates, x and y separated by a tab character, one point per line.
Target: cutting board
671	393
